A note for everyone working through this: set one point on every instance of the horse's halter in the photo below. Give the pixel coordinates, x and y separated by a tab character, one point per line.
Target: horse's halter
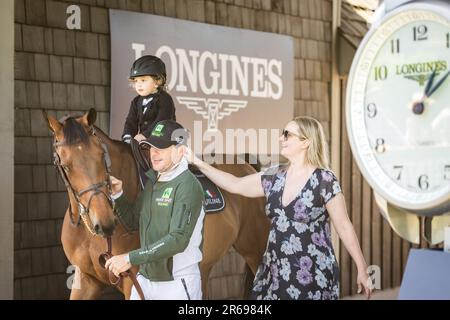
83	211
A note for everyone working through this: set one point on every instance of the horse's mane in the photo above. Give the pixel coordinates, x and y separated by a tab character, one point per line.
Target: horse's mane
104	136
124	147
74	132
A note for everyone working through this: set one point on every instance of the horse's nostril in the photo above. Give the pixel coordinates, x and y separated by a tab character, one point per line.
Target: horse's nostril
97	228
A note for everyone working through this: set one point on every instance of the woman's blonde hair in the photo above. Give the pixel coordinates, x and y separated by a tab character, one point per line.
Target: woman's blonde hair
311	129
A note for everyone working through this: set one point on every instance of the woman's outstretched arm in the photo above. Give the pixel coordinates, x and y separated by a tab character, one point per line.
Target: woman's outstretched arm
248	186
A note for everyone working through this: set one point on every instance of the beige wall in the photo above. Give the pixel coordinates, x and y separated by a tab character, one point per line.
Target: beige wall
6	148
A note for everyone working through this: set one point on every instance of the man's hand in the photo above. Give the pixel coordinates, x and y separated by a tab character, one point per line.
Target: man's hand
118	264
116	185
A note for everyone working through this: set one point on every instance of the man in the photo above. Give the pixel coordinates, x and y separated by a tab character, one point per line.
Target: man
169	213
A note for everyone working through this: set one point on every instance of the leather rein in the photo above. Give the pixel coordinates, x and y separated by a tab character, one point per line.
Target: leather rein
115	281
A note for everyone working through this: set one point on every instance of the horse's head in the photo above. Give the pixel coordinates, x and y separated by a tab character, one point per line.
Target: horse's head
83	162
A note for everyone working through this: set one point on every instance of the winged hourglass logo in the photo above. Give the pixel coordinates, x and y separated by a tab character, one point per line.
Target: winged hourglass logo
212	110
420	78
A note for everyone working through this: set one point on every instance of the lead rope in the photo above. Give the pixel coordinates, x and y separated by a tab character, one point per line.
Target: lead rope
129	273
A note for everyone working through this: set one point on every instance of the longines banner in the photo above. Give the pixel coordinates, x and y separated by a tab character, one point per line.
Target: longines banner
229	85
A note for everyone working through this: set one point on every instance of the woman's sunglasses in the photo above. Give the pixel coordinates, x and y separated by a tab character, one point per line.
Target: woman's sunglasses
286	134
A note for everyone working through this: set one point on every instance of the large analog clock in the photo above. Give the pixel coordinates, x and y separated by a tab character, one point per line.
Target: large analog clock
398	106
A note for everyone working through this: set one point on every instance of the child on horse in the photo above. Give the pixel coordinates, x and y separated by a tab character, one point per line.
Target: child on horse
152	104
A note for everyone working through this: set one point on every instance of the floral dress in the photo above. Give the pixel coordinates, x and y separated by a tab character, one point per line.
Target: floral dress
299	261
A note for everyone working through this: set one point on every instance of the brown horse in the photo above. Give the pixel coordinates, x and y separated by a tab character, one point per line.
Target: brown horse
83	158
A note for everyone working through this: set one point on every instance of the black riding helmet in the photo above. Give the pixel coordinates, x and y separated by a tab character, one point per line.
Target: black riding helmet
148	66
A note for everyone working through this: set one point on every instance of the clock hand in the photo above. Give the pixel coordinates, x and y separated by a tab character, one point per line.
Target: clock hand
429	83
438	84
419	106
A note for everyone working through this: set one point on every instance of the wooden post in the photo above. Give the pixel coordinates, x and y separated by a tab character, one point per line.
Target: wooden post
335	133
7	148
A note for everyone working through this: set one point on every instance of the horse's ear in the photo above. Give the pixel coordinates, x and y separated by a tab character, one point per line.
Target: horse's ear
90	117
53	124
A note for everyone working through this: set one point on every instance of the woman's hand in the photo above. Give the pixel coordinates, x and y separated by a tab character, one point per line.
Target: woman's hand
363	281
116	185
248	186
139	137
191	157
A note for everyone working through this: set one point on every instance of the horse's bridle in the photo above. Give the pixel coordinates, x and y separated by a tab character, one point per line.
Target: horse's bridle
83	211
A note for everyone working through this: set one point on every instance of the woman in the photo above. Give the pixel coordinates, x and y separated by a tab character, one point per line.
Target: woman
299	262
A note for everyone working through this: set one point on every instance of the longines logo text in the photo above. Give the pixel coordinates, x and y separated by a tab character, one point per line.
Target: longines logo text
421	71
220	78
211	73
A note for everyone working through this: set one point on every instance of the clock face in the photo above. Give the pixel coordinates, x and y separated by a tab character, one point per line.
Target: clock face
400	138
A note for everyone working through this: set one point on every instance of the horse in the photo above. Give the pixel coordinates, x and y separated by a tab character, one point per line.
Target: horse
86	157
